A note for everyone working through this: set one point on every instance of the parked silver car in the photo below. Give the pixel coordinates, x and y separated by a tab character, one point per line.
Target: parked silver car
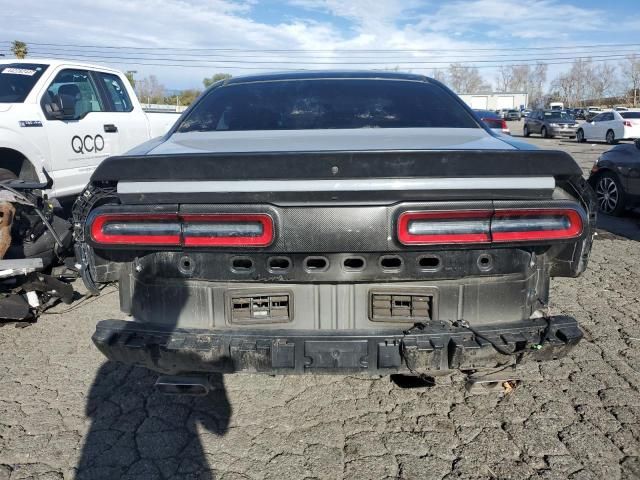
550	123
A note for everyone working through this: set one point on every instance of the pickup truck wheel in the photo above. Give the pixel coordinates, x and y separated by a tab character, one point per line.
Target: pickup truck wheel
611	138
525	131
6	174
580	136
610	194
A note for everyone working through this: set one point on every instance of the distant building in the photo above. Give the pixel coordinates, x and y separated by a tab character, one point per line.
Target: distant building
496	101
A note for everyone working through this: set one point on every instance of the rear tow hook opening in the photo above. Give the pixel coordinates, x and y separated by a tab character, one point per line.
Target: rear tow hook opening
183	385
502	383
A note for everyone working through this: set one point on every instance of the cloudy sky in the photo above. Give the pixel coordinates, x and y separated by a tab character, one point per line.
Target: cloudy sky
182	41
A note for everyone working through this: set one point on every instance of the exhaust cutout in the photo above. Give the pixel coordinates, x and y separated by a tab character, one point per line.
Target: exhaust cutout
193	386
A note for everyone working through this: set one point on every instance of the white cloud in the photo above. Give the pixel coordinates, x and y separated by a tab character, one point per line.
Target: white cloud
318	25
543	19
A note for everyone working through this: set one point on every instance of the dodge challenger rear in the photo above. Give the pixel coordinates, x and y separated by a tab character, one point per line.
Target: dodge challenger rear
334	222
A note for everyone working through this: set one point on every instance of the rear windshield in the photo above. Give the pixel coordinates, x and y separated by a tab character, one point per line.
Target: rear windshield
17	80
630	114
326	104
557	115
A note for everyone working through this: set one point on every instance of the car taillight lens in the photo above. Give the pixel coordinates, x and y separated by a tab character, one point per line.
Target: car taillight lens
487	226
439	227
217	230
627	123
191	230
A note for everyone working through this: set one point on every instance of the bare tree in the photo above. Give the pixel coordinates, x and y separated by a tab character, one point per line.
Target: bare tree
439	75
466	79
602	80
149	90
631	77
504	77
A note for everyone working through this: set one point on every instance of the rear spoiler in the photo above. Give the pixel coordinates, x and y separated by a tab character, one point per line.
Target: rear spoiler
354	176
350	164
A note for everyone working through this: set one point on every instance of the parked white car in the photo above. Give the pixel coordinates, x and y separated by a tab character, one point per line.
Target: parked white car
611	127
59	119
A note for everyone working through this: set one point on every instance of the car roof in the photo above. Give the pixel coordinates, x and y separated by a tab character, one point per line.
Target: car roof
328	74
57	62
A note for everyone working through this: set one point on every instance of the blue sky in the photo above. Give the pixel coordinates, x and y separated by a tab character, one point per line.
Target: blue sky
451	30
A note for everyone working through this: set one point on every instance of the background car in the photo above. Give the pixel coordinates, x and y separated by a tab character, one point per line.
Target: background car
615	177
611	127
494	121
526	112
580	113
591	113
512	115
550	123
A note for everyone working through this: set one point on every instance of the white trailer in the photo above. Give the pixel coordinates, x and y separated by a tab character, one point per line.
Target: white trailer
496	101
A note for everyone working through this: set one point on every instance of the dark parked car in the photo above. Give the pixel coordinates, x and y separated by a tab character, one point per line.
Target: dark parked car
616	178
580	114
512	115
333	222
550	123
494	121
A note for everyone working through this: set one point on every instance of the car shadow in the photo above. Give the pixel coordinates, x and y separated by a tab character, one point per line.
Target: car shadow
137	432
626	226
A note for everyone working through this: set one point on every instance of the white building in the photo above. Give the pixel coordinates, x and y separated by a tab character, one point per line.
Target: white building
496	101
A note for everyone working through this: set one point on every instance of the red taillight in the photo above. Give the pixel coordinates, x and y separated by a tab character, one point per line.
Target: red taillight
487	226
136	229
503	125
627	123
535	224
439	227
226	230
191	230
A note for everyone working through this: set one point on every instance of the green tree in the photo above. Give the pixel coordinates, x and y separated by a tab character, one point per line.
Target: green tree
187	97
19	49
216	78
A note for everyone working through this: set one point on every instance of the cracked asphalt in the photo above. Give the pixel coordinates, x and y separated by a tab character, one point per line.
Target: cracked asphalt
67	413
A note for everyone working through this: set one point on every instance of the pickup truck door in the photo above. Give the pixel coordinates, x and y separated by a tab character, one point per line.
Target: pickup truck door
126	118
78	142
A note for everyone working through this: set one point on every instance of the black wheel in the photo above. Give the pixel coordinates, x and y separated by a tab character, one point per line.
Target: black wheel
611	138
525	131
544	132
6	174
580	136
610	194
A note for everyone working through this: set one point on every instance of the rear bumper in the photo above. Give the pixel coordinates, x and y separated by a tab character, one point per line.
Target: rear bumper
564	132
437	348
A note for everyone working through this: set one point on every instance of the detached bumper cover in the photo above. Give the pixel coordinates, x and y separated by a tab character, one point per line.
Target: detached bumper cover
435	348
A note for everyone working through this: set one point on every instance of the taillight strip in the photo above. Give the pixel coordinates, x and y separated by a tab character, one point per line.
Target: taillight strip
191	230
535	224
439	227
488	226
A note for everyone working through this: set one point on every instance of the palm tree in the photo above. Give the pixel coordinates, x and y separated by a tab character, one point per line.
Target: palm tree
19	49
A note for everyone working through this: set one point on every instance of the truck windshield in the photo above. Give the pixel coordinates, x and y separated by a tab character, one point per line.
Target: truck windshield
309	104
17	80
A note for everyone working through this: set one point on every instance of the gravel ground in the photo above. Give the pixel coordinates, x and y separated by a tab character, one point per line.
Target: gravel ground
67	413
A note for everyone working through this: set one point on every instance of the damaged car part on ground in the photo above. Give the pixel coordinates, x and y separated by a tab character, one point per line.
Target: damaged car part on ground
390	233
34	240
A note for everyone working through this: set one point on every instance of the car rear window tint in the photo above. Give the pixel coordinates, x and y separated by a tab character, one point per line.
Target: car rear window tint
630	114
327	104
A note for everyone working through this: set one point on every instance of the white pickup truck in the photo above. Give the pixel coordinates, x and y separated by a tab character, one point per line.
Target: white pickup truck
59	119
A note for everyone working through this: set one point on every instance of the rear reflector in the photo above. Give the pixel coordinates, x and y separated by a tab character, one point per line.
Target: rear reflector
193	230
487	226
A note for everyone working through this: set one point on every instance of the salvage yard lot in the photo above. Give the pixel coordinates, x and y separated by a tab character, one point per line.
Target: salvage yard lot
65	412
